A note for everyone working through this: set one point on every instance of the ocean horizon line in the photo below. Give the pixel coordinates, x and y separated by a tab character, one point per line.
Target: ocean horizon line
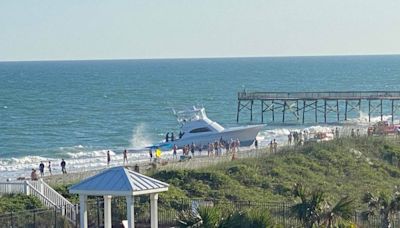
198	58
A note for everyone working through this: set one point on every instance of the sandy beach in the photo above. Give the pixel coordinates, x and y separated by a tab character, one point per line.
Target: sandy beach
195	162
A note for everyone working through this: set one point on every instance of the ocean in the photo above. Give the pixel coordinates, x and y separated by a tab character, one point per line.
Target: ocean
77	110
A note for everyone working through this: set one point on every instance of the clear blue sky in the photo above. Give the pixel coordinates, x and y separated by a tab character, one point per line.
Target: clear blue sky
100	29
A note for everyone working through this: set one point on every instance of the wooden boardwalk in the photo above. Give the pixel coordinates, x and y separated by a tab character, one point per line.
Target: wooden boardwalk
298	104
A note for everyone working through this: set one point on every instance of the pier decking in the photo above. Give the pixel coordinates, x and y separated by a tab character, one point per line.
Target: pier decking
298	104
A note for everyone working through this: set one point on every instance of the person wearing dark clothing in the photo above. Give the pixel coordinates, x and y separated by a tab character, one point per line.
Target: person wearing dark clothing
172	136
125	156
192	149
256	143
41	168
167	137
136	168
175	155
108	158
180	134
49	167
63	166
151	154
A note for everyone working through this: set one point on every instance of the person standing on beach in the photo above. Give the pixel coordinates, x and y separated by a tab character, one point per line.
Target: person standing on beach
232	146
125	156
337	132
271	146
151	154
174	155
238	144
63	166
192	149
275	146
41	168
49	167
216	148
108	158
305	136
256	144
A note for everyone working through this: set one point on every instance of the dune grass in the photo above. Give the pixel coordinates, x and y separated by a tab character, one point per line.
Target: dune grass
349	166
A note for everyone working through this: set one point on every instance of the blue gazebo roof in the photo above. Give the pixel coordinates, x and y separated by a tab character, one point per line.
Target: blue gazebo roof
119	181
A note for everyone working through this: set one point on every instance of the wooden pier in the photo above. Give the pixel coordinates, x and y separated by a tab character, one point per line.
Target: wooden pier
298	106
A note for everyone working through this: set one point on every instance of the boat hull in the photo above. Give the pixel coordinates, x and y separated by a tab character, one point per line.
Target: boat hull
246	136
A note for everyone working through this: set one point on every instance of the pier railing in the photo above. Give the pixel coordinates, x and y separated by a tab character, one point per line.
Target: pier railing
324	107
350	95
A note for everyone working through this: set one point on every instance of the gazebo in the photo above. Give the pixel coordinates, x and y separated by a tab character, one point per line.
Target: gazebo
118	181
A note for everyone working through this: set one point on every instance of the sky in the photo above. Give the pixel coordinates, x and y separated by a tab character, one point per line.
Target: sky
143	29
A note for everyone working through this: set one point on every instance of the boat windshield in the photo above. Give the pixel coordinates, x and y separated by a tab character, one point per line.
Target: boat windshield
191	115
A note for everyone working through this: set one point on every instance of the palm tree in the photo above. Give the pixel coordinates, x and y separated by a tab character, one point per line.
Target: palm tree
384	204
203	216
343	210
314	210
309	209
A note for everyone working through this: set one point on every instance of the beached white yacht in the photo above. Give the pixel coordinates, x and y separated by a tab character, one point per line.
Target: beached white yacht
198	129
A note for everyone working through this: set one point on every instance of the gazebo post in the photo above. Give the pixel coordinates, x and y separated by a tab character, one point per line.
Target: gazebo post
83	211
130	211
119	181
107	211
154	210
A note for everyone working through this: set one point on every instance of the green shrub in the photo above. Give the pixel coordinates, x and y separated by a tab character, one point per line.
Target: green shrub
247	219
18	202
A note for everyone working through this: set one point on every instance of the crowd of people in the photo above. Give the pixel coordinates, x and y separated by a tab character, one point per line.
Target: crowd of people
302	136
216	148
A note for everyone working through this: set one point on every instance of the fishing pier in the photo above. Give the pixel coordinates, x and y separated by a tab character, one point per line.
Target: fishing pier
323	107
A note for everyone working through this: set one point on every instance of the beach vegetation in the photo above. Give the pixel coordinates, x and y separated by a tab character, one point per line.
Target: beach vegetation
220	217
383	204
338	167
314	210
18	202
